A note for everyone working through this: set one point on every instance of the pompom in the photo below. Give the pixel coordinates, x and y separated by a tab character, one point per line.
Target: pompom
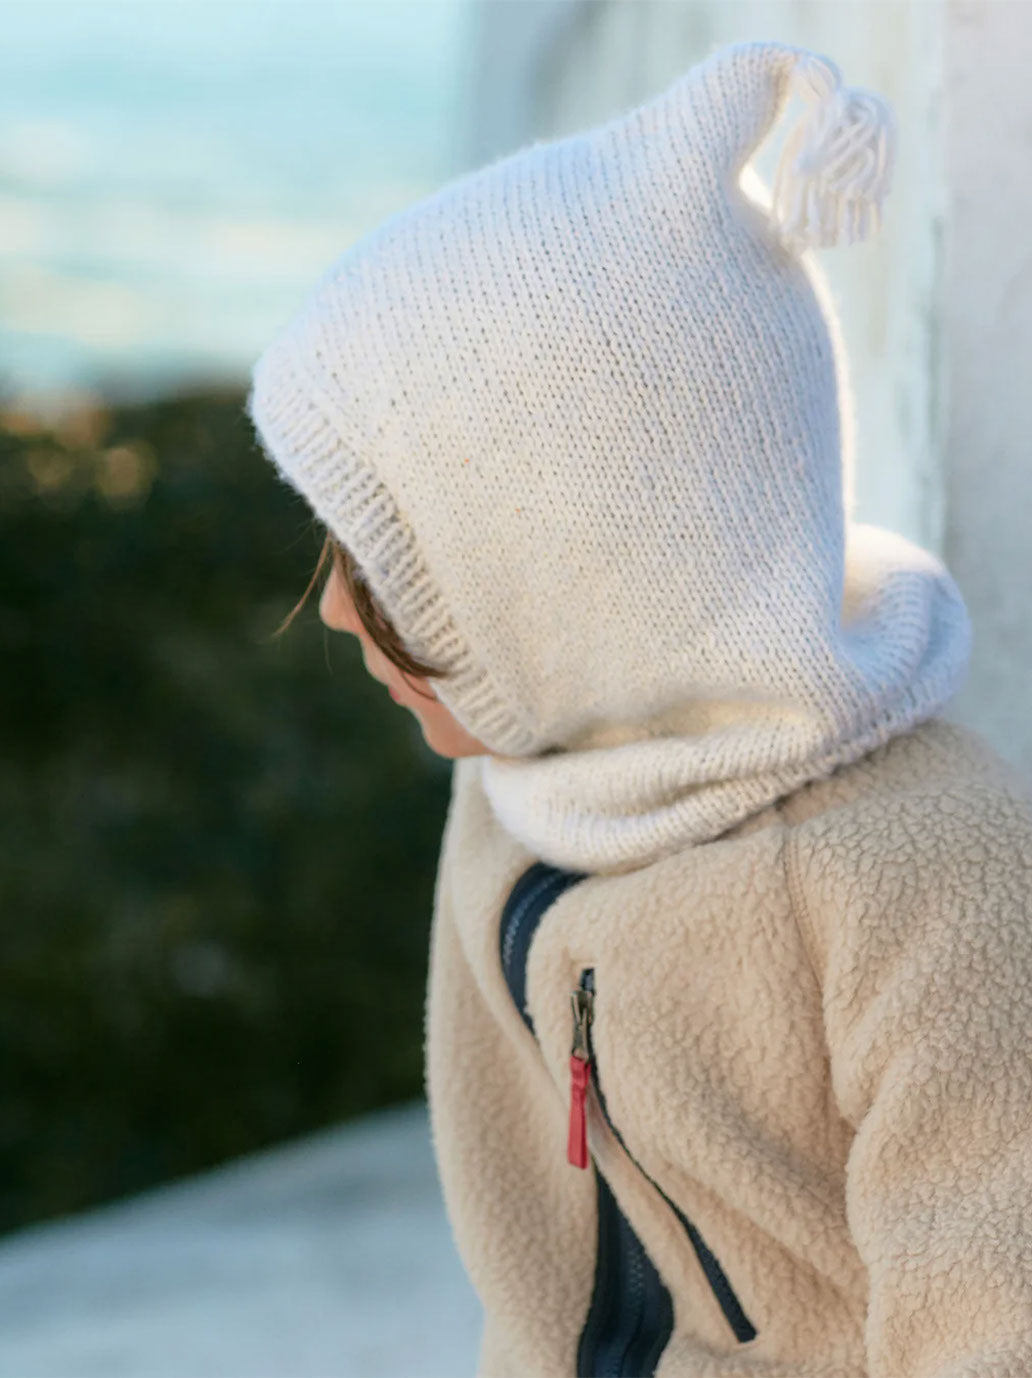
836	166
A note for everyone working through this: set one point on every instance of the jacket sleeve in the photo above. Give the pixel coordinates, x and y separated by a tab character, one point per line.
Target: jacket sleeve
920	914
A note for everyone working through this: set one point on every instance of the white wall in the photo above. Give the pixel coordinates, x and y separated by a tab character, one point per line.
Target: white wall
986	313
935	308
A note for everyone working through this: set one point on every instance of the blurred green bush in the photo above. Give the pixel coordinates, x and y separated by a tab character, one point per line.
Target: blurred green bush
218	848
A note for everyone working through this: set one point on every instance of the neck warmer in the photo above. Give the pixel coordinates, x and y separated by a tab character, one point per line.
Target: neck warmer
583	418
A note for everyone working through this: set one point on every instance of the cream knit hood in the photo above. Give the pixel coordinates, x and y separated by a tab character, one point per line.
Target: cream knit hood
583	418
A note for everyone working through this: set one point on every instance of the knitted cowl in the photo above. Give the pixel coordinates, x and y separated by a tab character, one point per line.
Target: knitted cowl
583	418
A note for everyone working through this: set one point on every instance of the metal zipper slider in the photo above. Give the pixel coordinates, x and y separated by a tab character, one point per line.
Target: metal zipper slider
580	1075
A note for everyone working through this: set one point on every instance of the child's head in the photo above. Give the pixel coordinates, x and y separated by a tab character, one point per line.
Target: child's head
583	420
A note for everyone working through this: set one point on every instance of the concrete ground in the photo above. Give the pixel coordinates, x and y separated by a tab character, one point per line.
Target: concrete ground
329	1257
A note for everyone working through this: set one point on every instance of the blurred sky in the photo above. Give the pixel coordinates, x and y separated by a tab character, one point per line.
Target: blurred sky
174	174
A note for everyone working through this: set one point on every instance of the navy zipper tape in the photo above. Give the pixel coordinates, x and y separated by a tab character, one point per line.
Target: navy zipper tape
529	898
717	1278
631	1315
730	1305
604	1351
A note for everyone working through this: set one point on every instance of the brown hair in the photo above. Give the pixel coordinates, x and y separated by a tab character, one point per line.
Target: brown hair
370	614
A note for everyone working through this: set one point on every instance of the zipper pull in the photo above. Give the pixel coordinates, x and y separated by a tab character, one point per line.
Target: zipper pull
580	1076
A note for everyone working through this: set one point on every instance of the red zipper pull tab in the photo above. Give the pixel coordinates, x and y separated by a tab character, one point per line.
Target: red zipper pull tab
580	1076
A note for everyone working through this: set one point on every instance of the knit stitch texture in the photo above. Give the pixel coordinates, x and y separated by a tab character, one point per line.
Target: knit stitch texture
583	417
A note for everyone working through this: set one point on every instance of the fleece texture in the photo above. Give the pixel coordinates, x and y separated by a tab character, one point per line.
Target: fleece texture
812	1032
583	419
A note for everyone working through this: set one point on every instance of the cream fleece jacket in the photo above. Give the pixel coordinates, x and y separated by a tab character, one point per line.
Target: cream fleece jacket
813	1032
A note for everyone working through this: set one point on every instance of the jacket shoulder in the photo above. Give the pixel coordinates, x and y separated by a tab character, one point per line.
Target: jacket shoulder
928	828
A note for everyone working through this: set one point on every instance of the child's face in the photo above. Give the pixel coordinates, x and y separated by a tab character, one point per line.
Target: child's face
441	732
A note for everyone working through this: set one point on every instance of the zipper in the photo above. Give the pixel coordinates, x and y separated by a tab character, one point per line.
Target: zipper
583	1000
580	1078
630	1316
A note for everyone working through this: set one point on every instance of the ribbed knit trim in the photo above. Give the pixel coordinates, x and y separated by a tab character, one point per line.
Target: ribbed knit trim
303	437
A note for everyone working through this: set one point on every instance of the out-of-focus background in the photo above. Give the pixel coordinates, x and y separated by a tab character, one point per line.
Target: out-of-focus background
218	847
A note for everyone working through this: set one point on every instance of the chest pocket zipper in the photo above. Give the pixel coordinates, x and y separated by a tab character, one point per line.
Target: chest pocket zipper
583	1003
630	1317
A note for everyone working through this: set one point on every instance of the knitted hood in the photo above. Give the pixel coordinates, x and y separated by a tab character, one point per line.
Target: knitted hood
583	418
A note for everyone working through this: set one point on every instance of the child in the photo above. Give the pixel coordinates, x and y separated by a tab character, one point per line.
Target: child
729	1025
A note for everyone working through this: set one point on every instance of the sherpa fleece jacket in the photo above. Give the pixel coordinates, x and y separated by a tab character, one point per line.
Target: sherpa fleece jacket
813	1036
